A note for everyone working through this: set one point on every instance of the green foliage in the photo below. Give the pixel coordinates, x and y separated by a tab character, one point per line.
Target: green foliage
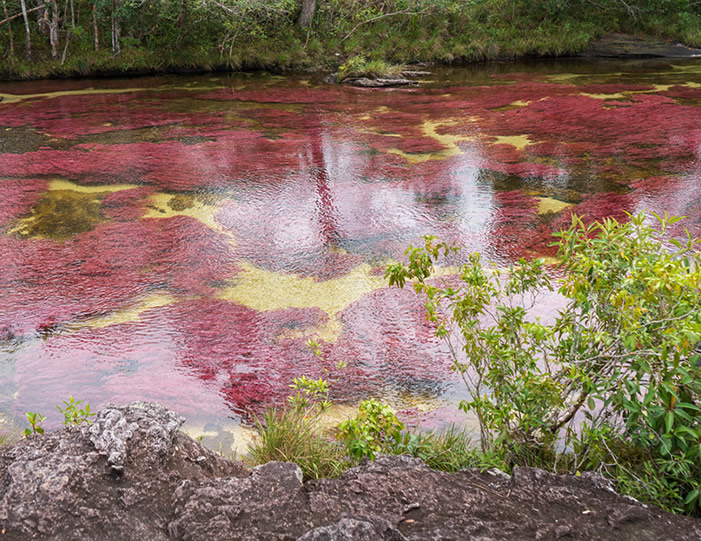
358	66
35	420
311	394
451	450
290	436
375	429
72	414
618	354
166	34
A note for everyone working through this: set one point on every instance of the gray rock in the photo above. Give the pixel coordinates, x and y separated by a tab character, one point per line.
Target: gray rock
380	82
132	476
111	480
352	529
627	46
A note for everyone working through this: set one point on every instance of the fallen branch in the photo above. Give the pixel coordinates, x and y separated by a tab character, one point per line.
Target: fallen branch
19	14
404	12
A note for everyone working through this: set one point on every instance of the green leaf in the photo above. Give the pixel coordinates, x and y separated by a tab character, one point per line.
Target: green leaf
669	421
693	495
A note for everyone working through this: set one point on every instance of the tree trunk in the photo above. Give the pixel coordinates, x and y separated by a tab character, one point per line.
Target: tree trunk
52	23
116	30
307	15
28	52
9	29
41	16
94	26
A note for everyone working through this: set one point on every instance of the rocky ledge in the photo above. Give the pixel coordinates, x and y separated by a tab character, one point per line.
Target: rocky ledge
132	475
627	46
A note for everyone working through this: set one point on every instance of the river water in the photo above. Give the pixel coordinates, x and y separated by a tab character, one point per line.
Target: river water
180	239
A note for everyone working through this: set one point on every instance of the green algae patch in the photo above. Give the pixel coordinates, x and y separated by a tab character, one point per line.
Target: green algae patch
60	215
65	210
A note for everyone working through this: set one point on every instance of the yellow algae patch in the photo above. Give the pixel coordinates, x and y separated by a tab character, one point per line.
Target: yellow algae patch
328	332
16	98
429	129
563	77
514	105
59	184
164	205
336	414
226	438
374	131
519	142
66	209
628	93
549	260
128	314
548	205
264	291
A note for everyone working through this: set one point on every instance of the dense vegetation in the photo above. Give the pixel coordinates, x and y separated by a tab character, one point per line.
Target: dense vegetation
612	385
63	37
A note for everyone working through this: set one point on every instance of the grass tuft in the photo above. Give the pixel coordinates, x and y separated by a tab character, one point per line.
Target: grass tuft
289	436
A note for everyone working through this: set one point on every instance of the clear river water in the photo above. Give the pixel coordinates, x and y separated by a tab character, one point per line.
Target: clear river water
179	239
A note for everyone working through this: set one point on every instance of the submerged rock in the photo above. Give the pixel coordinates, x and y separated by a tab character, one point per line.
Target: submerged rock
380	82
132	475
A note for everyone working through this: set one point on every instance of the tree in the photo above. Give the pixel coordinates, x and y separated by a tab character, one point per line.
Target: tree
28	39
307	14
9	28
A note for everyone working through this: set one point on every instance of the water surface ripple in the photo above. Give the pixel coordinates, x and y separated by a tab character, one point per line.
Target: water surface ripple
180	239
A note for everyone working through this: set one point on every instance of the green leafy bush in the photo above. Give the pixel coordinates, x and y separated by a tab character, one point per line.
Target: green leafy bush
611	379
72	414
375	429
35	420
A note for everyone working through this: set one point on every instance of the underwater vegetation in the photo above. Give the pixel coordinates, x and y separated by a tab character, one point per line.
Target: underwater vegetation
180	240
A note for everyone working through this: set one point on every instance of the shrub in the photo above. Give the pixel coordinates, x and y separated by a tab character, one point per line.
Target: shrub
617	358
375	429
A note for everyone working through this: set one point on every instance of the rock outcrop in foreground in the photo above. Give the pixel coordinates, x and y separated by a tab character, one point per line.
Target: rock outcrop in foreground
132	475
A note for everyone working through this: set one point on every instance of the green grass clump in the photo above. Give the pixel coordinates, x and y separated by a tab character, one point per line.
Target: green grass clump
290	436
450	450
358	66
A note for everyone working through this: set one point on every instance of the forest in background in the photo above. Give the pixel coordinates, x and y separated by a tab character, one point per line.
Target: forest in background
44	38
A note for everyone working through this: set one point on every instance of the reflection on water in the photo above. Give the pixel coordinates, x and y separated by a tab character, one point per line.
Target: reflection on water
180	239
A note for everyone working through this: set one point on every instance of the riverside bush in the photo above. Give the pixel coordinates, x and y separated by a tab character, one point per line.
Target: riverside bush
611	381
375	429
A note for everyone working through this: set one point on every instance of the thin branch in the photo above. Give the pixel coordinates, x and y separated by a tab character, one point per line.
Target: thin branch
20	14
403	12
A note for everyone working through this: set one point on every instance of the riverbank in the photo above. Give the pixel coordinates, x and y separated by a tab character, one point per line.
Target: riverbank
133	475
201	38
